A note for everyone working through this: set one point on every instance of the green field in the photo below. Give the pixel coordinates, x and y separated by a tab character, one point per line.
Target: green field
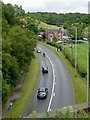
26	90
81	53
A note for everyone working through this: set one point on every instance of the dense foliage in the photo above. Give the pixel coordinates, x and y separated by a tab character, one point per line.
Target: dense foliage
18	44
61	19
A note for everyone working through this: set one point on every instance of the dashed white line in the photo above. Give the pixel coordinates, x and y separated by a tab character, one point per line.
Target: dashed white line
54	82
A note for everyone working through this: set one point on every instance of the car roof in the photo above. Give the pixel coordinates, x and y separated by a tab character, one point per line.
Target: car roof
42	89
44	66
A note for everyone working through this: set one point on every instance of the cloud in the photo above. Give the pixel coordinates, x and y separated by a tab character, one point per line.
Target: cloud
59	6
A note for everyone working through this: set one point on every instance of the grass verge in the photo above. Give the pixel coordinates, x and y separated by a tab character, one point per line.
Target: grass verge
26	90
79	83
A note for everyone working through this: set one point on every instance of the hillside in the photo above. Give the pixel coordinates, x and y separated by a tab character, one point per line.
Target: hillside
39	23
60	19
44	25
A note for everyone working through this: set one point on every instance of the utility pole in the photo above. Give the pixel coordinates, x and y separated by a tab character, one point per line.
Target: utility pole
62	39
75	52
88	77
72	49
88	66
11	109
46	33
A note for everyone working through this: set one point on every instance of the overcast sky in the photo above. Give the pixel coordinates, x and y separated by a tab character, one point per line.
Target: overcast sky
58	6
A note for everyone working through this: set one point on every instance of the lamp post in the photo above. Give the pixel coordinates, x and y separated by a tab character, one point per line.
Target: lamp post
11	109
62	38
75	52
88	75
88	66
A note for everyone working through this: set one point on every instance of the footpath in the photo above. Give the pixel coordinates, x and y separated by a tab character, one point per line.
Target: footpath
15	95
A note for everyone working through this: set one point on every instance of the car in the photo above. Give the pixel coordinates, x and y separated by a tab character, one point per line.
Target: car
44	69
42	93
38	51
44	54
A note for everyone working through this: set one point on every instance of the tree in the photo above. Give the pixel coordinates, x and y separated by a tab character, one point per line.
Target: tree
10	69
33	27
65	25
8	13
5	28
54	38
22	47
19	11
5	91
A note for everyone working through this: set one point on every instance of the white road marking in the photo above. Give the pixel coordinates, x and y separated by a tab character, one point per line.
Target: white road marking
54	82
54	94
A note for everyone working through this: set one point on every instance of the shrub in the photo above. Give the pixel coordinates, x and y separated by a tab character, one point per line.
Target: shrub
59	46
81	69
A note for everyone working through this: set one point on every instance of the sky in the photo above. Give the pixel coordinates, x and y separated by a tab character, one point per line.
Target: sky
57	6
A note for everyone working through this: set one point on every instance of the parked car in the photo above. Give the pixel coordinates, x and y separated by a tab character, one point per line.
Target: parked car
44	69
42	92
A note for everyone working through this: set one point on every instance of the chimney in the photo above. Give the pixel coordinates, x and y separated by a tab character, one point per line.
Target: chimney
59	29
46	33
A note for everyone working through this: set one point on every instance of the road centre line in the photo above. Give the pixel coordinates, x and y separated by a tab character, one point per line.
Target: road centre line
54	77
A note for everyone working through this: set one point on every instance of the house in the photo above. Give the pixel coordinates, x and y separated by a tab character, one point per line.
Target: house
57	33
41	35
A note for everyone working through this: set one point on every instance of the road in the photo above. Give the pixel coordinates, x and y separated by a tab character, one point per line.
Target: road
58	82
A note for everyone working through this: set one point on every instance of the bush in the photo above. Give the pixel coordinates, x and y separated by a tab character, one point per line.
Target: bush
55	44
81	69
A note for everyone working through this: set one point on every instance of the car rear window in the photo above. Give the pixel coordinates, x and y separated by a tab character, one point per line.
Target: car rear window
42	89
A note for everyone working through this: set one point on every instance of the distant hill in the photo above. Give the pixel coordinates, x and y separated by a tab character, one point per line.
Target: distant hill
60	19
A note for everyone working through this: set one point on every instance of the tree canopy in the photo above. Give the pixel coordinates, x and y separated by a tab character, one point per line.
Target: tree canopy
18	42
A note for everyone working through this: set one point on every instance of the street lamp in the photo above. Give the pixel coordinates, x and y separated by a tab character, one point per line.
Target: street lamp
11	109
62	38
75	50
88	66
88	74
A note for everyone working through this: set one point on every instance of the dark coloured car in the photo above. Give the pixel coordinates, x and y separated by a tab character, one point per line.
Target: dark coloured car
45	69
42	93
44	54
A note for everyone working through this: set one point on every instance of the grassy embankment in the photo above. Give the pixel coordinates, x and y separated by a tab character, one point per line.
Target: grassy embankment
27	89
79	83
44	25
